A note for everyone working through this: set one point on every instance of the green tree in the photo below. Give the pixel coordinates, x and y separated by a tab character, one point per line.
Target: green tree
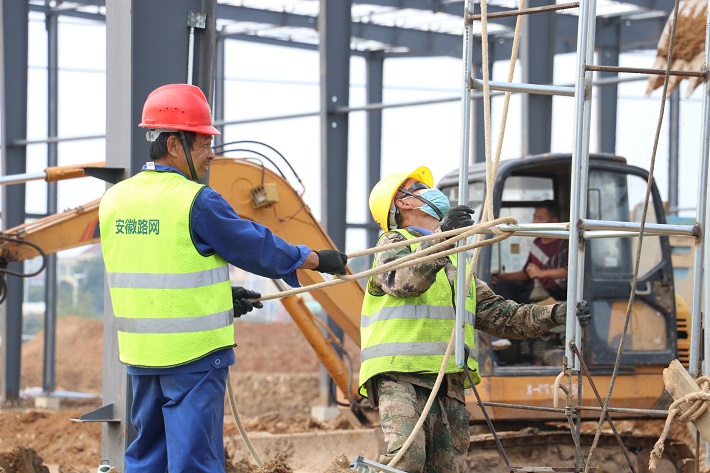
35	293
90	299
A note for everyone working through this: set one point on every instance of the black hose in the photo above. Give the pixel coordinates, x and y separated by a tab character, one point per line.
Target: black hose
4	270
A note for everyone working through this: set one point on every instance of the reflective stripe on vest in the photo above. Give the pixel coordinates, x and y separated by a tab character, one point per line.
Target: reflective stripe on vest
422	312
175	324
168	281
410	334
172	305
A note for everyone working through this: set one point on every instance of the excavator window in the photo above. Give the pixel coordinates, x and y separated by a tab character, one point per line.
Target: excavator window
619	197
616	193
476	194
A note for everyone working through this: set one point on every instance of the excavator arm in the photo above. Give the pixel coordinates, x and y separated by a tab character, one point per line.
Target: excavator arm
257	194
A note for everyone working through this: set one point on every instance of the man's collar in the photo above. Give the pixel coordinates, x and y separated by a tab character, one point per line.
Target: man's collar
163	168
421	230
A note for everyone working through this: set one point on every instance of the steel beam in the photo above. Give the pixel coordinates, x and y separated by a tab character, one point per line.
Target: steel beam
375	72
456	7
639	33
334	30
13	96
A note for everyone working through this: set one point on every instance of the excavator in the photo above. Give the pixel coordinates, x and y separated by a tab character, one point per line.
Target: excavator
524	373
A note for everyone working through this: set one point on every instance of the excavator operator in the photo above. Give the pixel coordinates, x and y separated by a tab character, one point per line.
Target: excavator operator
166	243
408	316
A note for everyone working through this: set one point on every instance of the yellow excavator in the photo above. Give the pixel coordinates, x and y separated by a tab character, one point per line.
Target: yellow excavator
522	374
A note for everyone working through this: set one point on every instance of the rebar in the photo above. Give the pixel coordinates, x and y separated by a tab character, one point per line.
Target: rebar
527	11
642	70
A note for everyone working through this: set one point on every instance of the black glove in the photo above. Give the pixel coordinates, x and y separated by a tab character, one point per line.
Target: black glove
457	217
241	297
331	262
559	313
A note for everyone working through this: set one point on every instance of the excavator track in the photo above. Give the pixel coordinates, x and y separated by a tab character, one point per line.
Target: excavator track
535	450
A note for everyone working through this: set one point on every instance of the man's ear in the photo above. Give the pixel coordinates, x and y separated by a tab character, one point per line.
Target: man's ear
402	204
173	145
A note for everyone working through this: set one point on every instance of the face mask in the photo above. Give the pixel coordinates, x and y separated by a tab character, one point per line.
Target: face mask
436	198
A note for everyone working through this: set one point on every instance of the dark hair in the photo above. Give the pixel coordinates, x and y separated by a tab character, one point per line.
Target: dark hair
551	207
159	147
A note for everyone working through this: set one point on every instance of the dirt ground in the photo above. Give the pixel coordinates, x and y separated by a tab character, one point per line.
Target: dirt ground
276	381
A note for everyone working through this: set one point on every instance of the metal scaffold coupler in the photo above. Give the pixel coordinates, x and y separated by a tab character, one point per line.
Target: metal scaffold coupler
363	465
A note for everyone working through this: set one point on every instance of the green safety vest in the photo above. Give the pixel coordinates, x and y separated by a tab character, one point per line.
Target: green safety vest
410	334
172	304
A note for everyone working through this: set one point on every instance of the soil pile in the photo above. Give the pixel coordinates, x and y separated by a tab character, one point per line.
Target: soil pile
22	460
276	347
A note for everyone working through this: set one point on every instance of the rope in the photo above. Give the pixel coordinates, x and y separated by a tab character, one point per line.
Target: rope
693	411
487	220
632	296
434	252
437	251
238	420
429	402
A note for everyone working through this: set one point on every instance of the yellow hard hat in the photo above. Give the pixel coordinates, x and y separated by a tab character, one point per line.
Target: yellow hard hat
381	198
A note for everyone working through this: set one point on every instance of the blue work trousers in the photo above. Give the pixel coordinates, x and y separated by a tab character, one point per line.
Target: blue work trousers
180	423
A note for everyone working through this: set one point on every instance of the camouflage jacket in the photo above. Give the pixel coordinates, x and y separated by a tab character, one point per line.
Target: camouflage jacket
494	315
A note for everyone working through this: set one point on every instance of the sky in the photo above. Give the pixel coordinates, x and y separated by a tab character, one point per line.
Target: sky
268	80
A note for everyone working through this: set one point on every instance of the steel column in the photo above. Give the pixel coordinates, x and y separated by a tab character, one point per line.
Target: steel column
673	151
120	125
141	58
50	279
374	63
334	27
478	145
607	105
219	83
537	52
13	95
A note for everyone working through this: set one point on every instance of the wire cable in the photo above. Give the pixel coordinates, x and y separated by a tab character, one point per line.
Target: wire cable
295	174
4	271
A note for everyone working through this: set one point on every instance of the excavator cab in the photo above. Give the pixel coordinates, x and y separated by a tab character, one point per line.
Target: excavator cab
616	193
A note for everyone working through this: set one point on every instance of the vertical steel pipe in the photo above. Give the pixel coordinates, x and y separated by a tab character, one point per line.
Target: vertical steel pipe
701	277
580	165
702	252
461	289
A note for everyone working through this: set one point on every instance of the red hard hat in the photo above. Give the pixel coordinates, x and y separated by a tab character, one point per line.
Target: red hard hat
178	107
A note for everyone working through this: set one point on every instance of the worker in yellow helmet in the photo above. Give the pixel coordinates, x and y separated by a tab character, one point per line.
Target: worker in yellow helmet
408	316
166	242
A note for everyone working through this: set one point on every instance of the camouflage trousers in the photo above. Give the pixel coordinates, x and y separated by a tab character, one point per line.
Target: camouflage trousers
442	443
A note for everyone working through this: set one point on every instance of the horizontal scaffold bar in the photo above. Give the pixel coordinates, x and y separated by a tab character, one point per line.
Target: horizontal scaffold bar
525	88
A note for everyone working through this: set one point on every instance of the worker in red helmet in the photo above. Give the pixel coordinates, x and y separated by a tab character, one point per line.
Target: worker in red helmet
167	241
